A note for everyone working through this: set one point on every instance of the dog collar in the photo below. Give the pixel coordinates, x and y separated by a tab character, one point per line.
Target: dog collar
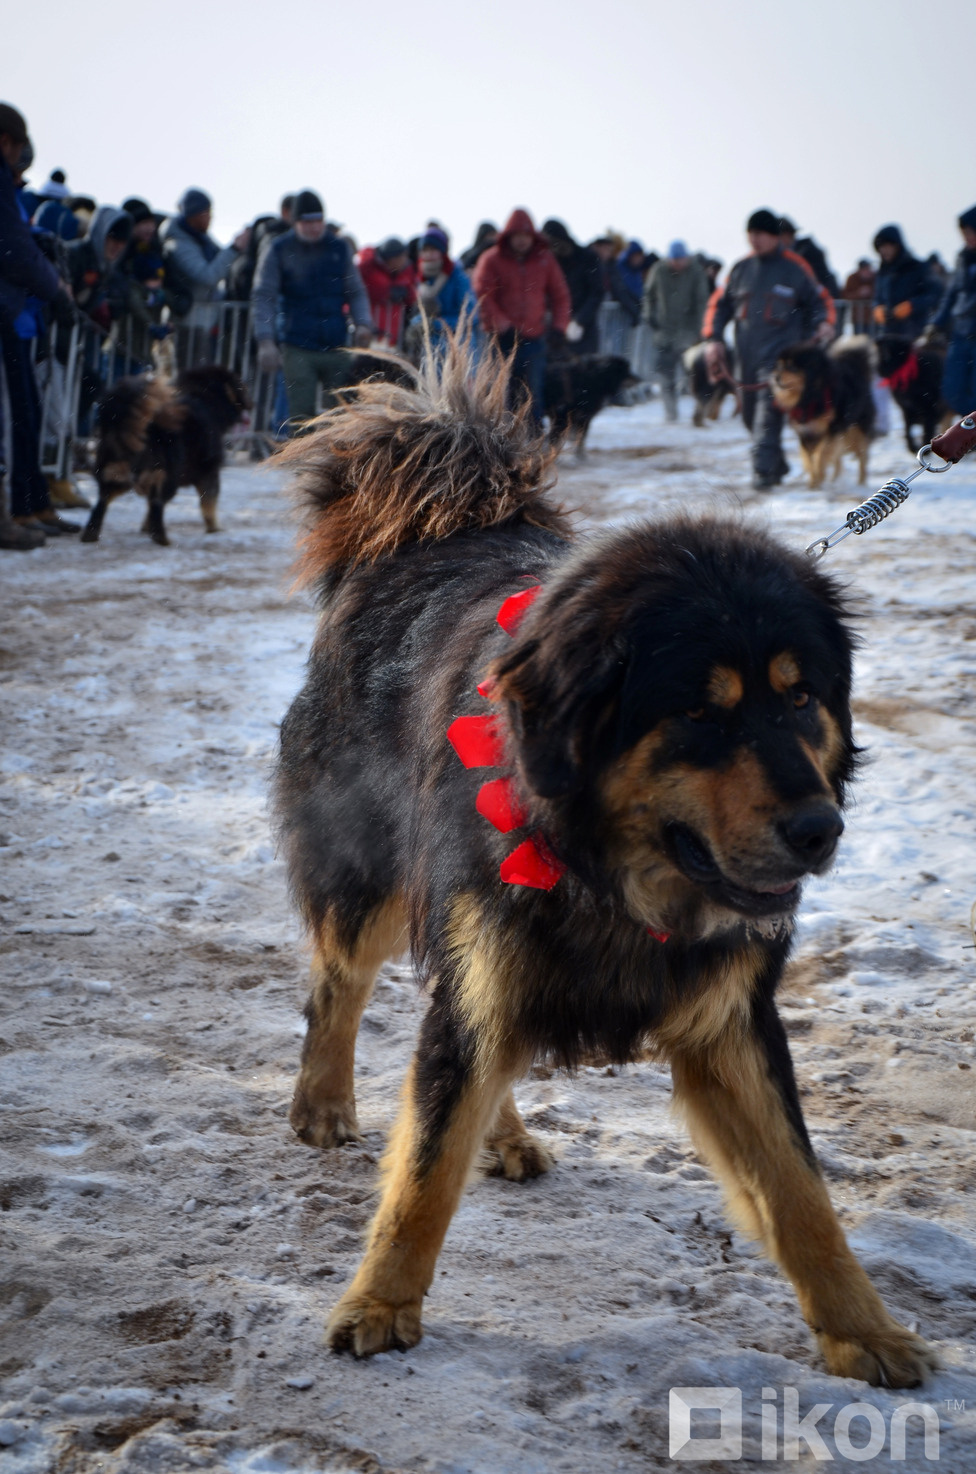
479	743
813	412
899	381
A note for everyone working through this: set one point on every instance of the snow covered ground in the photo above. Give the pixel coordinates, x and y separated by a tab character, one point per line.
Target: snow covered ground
168	1250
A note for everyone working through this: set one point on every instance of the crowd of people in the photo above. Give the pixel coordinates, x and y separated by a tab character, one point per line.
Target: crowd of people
137	274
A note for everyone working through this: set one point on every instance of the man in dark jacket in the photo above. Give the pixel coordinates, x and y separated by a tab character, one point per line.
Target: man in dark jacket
310	277
775	300
24	271
957	317
905	292
584	276
812	254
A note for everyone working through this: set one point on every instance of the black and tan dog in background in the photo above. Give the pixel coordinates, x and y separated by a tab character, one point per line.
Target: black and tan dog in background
826	396
154	437
662	715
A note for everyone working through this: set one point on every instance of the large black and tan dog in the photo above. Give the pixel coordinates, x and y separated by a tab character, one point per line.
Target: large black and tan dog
826	396
584	782
576	389
155	437
914	377
709	394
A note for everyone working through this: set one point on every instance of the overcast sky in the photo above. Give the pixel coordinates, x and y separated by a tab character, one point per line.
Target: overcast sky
659	120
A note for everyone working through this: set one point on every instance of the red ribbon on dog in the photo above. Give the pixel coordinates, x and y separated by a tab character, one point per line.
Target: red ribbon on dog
478	742
902	377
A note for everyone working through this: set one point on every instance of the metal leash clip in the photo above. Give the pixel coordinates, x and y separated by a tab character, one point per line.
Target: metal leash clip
885	501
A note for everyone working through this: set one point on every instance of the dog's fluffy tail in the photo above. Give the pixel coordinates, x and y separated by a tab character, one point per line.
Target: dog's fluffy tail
125	413
419	460
857	347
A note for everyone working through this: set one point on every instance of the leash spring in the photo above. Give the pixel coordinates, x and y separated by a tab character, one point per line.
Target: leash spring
879	506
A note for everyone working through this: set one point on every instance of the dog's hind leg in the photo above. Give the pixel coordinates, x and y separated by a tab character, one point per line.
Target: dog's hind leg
739	1096
323	1111
513	1152
208	490
93	526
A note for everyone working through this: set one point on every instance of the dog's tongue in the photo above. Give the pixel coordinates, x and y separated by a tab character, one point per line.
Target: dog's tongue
777	890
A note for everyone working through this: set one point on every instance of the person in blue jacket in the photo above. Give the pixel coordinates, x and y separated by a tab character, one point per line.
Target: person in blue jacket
27	278
443	292
957	317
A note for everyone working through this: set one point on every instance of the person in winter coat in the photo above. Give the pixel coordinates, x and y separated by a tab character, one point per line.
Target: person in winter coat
584	276
389	278
632	265
905	292
812	254
615	289
859	291
775	301
675	298
100	287
240	276
24	273
54	213
521	291
957	317
310	278
192	256
443	293
485	236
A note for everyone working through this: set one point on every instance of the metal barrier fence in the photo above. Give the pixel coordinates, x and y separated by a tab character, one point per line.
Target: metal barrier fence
74	365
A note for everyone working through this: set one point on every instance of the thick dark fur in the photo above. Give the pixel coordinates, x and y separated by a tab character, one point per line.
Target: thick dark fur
920	400
576	389
155	438
709	397
675	711
826	395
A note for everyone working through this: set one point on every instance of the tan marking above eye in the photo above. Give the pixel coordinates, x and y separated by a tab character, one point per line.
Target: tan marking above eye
784	672
725	687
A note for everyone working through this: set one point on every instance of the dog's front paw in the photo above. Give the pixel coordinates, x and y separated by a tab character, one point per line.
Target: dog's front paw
517	1157
324	1123
89	535
889	1357
365	1325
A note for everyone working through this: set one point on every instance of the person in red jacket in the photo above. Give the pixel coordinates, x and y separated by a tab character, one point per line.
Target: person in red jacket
521	291
389	277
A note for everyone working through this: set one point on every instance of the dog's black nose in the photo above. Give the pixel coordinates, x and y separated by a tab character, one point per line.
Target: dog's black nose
813	833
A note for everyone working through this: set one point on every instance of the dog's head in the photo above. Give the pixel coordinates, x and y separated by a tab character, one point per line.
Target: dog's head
893	352
221	389
799	378
679	700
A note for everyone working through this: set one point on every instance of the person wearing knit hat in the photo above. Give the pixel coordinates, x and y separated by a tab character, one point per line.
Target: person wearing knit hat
443	293
308	282
390	281
775	301
196	264
956	316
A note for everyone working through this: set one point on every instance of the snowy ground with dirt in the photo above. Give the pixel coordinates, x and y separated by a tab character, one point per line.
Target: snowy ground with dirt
168	1250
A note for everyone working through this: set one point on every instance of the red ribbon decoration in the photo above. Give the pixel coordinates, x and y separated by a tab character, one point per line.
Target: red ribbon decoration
499	803
899	381
477	741
516	607
532	864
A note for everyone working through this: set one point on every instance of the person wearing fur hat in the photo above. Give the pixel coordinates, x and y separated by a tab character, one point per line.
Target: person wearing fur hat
956	316
905	291
309	277
443	292
775	301
389	278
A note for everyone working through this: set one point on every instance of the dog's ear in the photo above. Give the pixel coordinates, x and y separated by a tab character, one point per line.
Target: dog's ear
561	684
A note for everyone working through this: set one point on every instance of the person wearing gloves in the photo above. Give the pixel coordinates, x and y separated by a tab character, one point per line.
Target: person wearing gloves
193	261
957	317
389	278
775	301
584	277
675	298
308	276
521	290
905	291
443	292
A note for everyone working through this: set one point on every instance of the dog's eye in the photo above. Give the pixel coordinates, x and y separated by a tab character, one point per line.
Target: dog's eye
801	697
697	714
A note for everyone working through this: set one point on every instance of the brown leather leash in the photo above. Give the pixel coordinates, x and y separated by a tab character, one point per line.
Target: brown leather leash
949	447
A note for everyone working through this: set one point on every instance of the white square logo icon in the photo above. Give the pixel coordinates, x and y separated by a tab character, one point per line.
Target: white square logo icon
726	1402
